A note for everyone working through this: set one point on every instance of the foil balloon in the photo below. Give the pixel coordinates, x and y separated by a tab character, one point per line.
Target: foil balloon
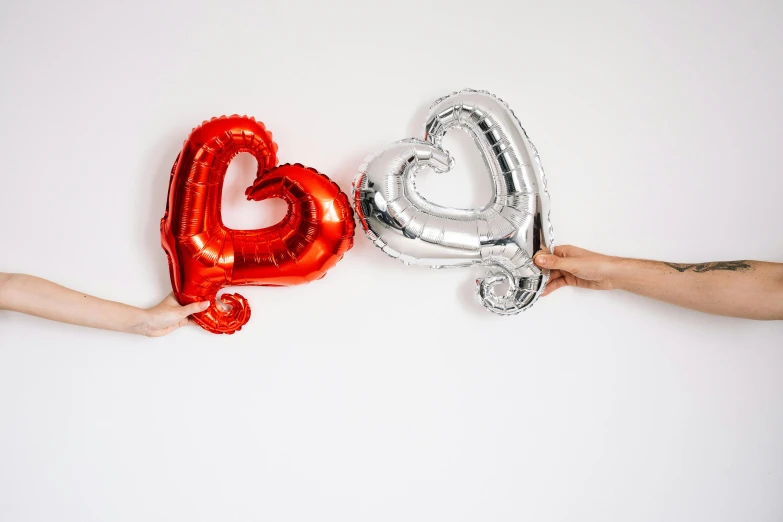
205	256
502	236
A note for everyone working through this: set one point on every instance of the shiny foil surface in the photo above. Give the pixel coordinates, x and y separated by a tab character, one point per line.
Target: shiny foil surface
205	256
503	236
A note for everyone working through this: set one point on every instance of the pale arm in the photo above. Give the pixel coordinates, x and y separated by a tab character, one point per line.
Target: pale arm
747	289
35	296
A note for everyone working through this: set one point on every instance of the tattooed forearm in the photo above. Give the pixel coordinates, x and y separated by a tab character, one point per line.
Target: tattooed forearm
733	266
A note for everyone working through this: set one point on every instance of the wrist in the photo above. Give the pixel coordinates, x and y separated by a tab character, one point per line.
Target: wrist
4	281
136	322
619	272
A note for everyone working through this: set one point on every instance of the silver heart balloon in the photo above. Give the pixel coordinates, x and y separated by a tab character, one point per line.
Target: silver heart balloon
503	235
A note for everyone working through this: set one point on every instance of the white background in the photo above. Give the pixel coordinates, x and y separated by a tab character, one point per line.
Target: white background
385	392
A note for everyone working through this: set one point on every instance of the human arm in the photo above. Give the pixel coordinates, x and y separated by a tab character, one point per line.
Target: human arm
747	289
35	296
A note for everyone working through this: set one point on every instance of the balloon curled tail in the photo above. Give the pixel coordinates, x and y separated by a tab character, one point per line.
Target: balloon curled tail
522	289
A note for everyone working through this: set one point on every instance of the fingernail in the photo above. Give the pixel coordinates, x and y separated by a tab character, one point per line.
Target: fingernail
204	305
542	259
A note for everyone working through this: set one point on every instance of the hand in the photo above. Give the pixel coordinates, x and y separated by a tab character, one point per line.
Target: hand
166	316
572	266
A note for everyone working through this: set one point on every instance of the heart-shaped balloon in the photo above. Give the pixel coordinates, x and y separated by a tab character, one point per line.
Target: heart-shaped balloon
205	256
503	235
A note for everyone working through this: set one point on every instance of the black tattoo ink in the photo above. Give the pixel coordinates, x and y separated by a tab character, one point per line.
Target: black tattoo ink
700	268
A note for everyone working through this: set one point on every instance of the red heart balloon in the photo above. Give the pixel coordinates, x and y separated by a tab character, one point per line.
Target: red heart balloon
205	256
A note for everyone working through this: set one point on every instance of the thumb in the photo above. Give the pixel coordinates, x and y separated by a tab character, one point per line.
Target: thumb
194	308
553	262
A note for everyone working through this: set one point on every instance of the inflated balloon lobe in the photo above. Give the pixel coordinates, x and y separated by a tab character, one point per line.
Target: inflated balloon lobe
204	255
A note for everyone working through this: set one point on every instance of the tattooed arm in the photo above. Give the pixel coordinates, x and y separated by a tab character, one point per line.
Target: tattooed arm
748	289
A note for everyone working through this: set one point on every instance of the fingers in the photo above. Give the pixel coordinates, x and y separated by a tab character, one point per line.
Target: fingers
551	286
563	250
194	308
165	331
570	251
554	262
555	274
